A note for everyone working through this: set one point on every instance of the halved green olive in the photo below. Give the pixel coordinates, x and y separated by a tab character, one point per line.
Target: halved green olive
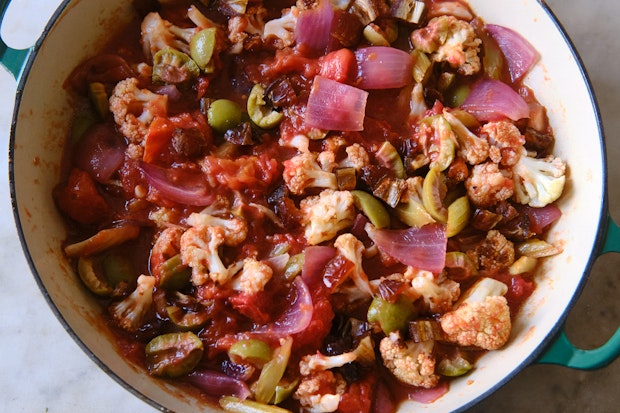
372	208
390	157
99	98
88	275
118	268
173	66
173	274
261	114
413	214
253	350
421	66
201	47
537	248
174	354
433	192
187	320
458	216
522	265
223	114
391	316
444	144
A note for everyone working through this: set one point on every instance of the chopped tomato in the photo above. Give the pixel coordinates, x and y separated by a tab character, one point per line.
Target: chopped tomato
339	65
157	139
358	396
244	172
312	337
80	200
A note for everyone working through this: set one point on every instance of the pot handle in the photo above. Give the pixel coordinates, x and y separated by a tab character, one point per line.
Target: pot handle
12	59
563	352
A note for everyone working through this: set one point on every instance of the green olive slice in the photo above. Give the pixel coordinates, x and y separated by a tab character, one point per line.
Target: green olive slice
174	354
458	216
262	115
433	191
173	66
372	208
88	275
253	350
187	320
202	46
173	274
391	316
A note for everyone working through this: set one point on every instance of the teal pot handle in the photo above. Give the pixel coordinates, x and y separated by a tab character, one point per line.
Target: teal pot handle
563	352
12	59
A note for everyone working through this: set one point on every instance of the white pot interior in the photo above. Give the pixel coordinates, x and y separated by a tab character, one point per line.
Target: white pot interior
41	127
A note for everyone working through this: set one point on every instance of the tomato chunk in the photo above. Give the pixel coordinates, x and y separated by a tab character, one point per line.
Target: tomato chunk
80	200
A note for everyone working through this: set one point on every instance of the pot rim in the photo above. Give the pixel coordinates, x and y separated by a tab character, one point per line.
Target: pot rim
603	213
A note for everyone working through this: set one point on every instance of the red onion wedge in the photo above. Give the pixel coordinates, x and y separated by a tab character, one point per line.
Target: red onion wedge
183	186
316	258
540	218
294	319
335	106
382	67
519	53
219	384
491	100
100	152
423	248
314	26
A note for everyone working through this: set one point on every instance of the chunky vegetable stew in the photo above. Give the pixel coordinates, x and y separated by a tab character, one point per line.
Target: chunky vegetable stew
315	206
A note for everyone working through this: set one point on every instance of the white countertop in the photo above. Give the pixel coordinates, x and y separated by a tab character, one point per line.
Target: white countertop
43	370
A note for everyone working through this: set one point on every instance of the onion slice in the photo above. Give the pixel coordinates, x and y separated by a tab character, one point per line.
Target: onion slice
219	384
423	248
179	185
335	106
313	26
294	319
491	100
382	67
519	53
100	152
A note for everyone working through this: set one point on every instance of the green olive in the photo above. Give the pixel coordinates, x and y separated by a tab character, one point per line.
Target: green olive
253	350
91	279
458	216
187	320
223	114
454	367
118	268
433	192
173	274
261	114
522	265
391	316
99	98
372	208
173	66
202	45
174	354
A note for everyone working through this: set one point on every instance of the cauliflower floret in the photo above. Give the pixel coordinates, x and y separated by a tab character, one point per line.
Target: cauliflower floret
235	228
317	362
538	182
246	27
438	293
320	392
326	214
482	319
253	277
303	171
134	109
357	157
487	185
493	253
158	33
353	249
283	28
412	363
506	141
472	148
451	40
200	250
131	312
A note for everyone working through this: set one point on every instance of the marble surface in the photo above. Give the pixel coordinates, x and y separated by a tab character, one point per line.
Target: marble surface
43	370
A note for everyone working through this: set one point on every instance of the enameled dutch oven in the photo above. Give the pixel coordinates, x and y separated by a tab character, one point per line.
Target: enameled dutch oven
39	128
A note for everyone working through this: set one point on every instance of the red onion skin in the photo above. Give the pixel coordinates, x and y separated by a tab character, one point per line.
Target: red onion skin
314	27
195	191
540	218
315	260
335	106
219	384
492	100
100	152
382	67
519	53
423	248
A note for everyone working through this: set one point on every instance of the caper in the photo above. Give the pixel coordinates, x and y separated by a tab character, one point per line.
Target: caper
201	47
223	114
391	316
372	208
174	354
262	114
